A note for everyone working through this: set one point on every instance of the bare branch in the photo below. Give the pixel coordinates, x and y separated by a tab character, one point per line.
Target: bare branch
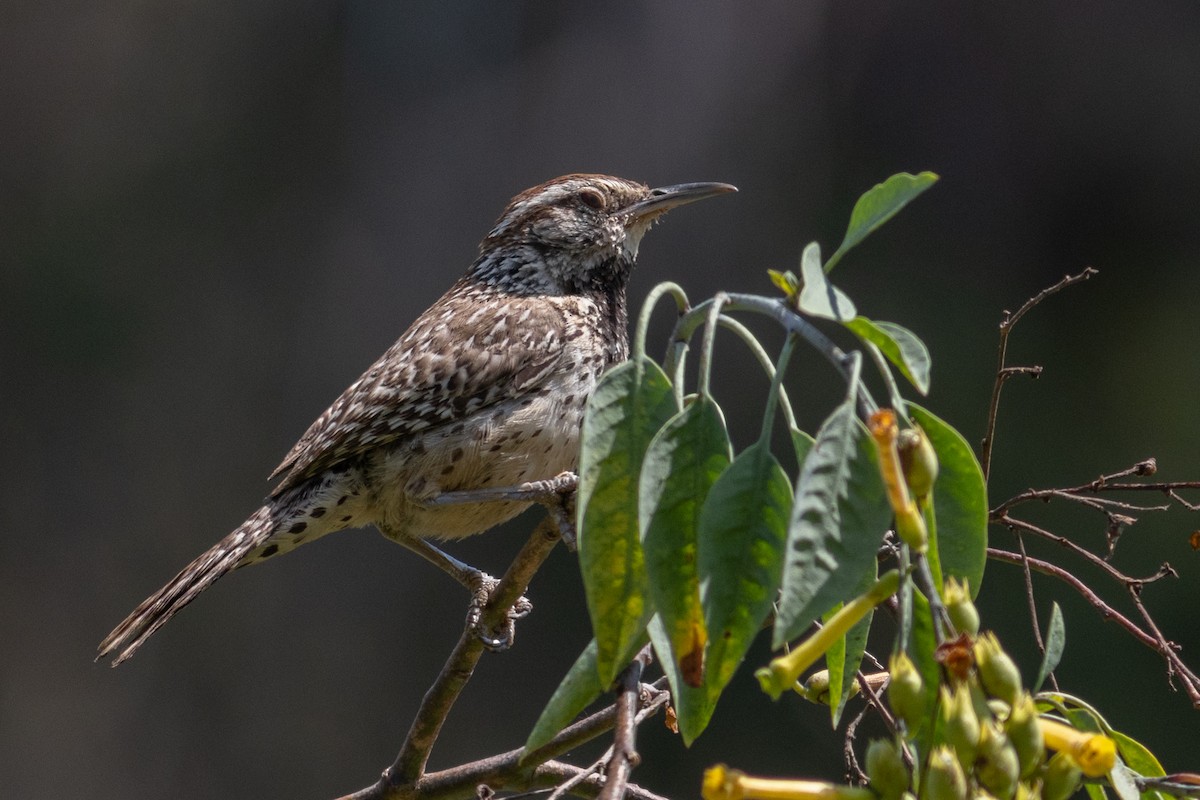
1004	372
624	752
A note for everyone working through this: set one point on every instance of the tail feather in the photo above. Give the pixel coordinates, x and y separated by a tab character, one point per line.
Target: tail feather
197	576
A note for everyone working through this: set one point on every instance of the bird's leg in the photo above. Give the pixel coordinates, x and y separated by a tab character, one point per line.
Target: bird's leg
478	583
537	491
557	494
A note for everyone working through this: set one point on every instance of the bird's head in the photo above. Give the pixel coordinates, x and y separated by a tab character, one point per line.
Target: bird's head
578	232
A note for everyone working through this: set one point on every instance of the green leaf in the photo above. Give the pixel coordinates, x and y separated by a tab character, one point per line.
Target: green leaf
877	206
693	706
901	347
1056	640
819	297
681	465
578	690
1137	757
921	650
844	658
801	444
959	543
1123	782
630	404
838	519
743	527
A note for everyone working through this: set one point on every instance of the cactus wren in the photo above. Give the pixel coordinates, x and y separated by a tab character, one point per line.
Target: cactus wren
485	390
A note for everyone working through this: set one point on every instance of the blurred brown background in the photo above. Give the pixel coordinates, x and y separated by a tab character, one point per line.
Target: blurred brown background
214	215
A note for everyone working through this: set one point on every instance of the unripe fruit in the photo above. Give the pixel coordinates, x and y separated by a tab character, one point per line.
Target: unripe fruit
997	672
999	769
944	779
886	770
960	723
906	691
1025	733
918	460
963	614
1061	778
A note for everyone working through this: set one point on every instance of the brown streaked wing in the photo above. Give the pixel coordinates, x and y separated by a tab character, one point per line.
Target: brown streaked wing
470	350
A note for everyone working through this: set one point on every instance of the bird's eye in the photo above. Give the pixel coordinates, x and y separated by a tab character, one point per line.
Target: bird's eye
592	199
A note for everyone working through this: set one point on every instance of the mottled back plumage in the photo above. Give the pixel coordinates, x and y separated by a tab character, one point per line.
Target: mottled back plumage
485	389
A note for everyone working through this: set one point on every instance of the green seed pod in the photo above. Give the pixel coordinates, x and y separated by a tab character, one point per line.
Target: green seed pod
1061	778
906	691
1026	734
918	460
960	723
997	672
998	769
944	778
963	614
886	770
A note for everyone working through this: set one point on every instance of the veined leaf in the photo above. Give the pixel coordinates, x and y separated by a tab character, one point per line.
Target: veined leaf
681	465
838	519
959	542
877	206
901	347
819	297
630	404
743	527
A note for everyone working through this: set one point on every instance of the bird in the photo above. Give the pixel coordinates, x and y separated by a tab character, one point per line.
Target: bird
486	389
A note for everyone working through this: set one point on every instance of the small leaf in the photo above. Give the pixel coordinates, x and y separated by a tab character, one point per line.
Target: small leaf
1056	639
844	658
959	542
901	347
819	297
786	282
630	404
878	205
682	462
838	519
743	527
577	691
1123	782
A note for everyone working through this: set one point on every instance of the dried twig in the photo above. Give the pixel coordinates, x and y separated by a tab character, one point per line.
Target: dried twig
1004	372
624	752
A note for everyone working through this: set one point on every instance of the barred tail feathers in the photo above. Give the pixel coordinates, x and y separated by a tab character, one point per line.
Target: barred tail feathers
197	576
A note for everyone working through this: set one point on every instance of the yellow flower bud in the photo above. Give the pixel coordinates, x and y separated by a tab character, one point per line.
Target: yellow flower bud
998	769
1025	733
919	461
963	614
886	770
1095	753
722	783
997	671
960	723
944	778
906	692
1061	778
783	672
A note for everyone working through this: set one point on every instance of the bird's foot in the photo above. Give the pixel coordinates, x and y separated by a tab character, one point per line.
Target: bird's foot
483	585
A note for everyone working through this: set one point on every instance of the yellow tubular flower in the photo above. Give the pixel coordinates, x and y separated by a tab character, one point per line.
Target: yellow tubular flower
910	525
783	672
1095	753
722	783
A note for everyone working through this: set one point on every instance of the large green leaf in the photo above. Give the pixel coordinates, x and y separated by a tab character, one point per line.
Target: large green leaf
819	297
743	527
900	345
682	463
630	404
877	206
959	542
693	705
838	519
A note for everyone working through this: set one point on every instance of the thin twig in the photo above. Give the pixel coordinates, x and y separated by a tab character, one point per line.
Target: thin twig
624	750
1032	603
409	765
1094	600
1004	372
1175	665
1014	524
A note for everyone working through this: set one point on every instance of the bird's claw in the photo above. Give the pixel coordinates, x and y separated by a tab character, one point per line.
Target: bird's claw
481	595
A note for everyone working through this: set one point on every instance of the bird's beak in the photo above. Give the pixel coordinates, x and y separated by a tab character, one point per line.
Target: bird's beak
665	198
